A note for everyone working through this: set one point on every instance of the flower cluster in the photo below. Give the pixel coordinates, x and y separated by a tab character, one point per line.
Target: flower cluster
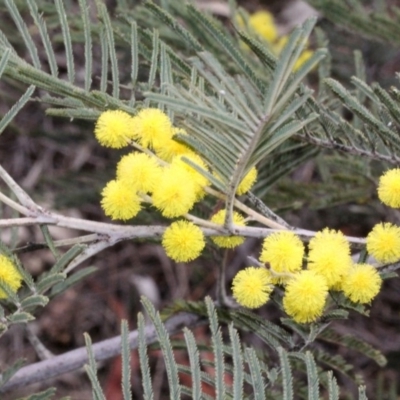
164	173
263	25
328	266
167	174
306	279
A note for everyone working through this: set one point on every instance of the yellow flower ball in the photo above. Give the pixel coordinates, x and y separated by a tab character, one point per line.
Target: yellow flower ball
9	275
383	243
252	287
139	171
284	252
175	194
183	241
228	242
247	182
114	128
389	188
329	256
305	297
262	22
362	283
153	128
120	201
171	148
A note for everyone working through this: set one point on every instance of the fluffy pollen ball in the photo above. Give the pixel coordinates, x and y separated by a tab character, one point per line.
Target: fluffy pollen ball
120	201
114	128
153	128
183	241
284	252
389	188
329	256
139	171
362	283
175	194
305	296
383	242
252	287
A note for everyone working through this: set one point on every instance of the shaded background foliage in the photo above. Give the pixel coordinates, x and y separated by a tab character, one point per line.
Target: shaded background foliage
63	167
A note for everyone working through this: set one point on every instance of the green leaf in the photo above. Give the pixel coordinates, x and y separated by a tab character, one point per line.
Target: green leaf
24	31
71	280
91	370
354	343
20	318
84	7
49	280
11	370
34	301
49	240
225	43
195	373
163	337
144	360
286	371
41	25
217	343
126	361
333	387
13	111
312	377
4	61
237	364
66	39
257	379
67	257
109	35
167	19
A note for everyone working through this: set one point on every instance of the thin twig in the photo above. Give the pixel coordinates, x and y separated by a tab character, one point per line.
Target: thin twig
14	205
20	193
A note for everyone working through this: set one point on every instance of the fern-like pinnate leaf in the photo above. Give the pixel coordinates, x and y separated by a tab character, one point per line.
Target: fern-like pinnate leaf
354	343
217	343
126	361
165	344
194	359
286	373
91	370
257	379
88	43
333	388
237	357
148	393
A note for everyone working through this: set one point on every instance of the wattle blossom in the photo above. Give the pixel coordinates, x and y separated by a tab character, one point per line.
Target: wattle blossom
183	241
251	287
305	296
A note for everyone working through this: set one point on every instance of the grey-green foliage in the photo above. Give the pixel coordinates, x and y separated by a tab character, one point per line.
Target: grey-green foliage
382	23
235	120
254	375
241	106
35	293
